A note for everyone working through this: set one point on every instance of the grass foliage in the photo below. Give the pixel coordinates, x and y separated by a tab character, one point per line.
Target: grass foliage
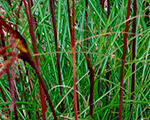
101	49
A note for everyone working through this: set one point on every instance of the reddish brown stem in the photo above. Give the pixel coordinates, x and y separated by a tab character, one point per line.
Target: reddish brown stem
31	30
133	52
133	47
57	50
102	3
123	59
45	90
74	60
70	26
108	8
91	81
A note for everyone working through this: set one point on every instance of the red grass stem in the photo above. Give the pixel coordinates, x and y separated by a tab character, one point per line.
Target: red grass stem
31	30
57	50
108	8
74	61
102	3
133	53
123	60
90	67
45	90
133	47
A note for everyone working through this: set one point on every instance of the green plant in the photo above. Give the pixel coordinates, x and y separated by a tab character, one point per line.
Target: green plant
80	51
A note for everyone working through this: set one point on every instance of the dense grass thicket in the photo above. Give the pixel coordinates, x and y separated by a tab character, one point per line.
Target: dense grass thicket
78	59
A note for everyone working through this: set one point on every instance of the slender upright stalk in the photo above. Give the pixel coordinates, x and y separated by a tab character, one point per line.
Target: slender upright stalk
102	3
88	62
57	50
123	59
70	26
45	90
74	60
31	30
90	67
108	8
133	47
133	50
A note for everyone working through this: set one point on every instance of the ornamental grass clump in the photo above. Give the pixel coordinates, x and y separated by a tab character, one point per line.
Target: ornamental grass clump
74	59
